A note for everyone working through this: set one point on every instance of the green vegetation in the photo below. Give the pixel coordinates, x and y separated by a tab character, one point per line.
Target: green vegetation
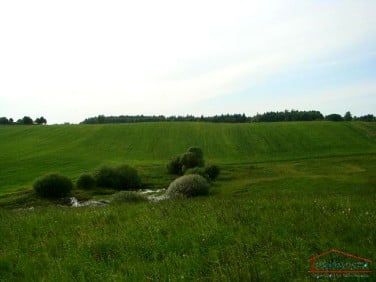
334	117
286	192
192	158
122	177
212	171
128	197
263	222
286	115
26	120
197	170
86	181
53	185
29	152
209	172
188	186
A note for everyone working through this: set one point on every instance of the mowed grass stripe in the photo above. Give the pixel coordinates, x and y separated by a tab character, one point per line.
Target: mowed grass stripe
28	152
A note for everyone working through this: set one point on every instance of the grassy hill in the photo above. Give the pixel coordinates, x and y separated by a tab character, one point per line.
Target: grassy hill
28	152
287	192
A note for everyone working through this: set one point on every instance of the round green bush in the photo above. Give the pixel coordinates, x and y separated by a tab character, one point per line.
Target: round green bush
212	171
197	170
126	178
198	152
188	186
53	186
104	177
190	160
122	177
85	181
129	197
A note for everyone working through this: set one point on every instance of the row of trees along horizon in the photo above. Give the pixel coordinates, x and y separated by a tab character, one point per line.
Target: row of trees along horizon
26	120
286	115
293	115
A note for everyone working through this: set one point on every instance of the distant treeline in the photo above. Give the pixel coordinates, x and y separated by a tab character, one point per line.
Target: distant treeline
292	115
23	121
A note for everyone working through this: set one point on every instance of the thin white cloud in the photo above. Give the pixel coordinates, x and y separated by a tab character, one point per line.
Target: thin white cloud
155	56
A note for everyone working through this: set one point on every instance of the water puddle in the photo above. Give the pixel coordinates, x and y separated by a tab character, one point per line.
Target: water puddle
74	203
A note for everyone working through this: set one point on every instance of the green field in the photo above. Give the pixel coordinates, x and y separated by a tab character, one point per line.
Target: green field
28	152
287	192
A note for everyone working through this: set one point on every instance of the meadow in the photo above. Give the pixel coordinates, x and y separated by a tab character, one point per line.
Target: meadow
287	192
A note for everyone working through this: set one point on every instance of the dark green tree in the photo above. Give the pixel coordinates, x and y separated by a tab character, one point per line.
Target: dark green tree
40	120
101	119
4	120
368	117
347	116
27	120
334	117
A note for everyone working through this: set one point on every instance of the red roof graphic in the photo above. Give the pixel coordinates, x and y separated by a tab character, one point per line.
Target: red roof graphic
339	271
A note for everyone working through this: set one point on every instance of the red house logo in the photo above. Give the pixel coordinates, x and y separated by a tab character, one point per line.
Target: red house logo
334	263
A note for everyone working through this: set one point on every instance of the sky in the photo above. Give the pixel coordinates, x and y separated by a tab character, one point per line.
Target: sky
69	60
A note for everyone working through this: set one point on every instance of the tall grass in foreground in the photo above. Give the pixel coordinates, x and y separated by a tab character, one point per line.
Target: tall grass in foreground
262	223
266	238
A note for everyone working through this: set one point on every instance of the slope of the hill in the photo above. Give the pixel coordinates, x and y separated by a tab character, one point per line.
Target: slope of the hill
27	152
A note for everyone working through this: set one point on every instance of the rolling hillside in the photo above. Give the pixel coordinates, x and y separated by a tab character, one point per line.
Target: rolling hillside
30	151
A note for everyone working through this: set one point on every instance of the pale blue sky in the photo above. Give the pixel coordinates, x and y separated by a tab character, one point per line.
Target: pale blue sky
76	59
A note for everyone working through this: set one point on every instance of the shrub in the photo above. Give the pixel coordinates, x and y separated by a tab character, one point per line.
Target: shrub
198	152
190	160
212	171
188	186
122	177
126	178
85	181
174	166
129	197
53	186
104	177
199	171
194	157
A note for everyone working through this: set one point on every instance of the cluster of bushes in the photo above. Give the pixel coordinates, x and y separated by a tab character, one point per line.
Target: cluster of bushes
121	177
196	176
124	178
192	162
